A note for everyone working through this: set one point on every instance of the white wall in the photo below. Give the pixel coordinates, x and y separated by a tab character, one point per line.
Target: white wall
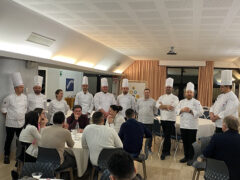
56	81
7	66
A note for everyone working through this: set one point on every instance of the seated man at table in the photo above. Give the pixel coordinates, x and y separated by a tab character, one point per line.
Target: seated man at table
96	136
77	117
226	146
56	136
132	133
120	166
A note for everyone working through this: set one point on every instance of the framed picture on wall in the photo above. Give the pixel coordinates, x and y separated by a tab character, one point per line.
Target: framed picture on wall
69	84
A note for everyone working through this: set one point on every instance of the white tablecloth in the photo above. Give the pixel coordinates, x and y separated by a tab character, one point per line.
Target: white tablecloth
205	127
81	155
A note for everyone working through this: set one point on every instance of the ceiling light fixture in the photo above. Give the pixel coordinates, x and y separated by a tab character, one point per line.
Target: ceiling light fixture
25	50
85	64
101	67
64	59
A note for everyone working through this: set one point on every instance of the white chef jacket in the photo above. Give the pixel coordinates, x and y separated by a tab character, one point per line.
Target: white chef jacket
168	99
36	101
187	120
84	100
126	101
103	101
15	106
225	105
117	122
56	106
146	108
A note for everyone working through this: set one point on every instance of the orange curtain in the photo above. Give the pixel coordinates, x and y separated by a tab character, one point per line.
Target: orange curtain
205	84
151	72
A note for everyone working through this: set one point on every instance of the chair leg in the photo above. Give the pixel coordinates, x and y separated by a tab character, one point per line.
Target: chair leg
93	172
19	167
198	173
144	170
177	144
71	173
57	175
194	174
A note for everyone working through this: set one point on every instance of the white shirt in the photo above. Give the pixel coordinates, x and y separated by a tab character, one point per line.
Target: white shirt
225	105
126	101
56	106
29	134
168	99
188	120
146	108
84	100
117	122
36	101
15	106
103	101
96	137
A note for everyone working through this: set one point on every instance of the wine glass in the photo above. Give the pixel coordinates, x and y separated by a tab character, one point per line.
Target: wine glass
37	175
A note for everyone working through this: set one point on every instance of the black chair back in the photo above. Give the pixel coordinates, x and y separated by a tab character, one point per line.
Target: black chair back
104	156
197	150
204	142
48	155
216	170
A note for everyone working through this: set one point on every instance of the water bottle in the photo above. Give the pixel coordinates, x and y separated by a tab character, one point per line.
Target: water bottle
77	126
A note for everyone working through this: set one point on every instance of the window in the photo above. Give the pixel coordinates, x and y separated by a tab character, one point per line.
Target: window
181	76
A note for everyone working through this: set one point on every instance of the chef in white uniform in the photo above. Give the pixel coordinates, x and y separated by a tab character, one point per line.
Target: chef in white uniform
103	100
84	98
14	107
189	110
226	104
126	100
58	104
146	109
37	99
167	104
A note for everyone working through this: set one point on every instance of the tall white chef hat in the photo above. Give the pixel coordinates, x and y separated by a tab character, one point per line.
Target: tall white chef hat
169	82
85	80
17	79
226	78
104	82
190	87
125	83
38	80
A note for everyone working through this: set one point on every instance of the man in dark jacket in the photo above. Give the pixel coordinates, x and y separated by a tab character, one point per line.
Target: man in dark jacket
77	117
132	133
226	146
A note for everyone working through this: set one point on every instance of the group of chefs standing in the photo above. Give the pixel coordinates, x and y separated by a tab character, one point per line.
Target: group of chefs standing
15	105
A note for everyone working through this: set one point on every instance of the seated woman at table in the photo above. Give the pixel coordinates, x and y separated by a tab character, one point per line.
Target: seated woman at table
77	117
29	137
42	120
115	118
58	104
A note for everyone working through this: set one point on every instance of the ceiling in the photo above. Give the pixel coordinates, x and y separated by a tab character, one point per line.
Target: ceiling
145	29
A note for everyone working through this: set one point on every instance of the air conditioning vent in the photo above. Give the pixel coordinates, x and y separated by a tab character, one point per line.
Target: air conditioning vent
40	39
